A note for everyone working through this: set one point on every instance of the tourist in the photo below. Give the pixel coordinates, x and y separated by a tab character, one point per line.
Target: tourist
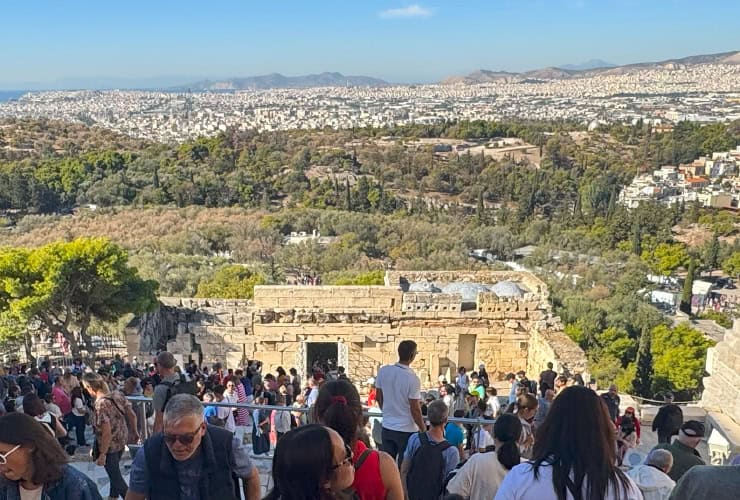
78	417
543	406
561	382
282	419
399	396
112	419
547	379
483	438
483	375
260	428
191	460
492	403
455	435
480	477
629	414
531	385
611	398
34	466
429	458
668	420
299	417
683	448
709	483
376	476
61	398
574	455
476	387
652	476
242	420
311	462
462	381
34	407
165	366
526	408
514	385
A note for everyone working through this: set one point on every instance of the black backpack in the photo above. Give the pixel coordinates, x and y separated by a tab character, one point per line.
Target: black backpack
179	387
426	476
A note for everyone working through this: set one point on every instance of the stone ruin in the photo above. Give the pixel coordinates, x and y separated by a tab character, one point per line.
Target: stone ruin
457	318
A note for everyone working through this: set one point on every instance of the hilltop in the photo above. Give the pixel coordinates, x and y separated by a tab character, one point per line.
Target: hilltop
592	68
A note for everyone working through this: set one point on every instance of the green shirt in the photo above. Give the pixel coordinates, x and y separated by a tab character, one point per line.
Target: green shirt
684	458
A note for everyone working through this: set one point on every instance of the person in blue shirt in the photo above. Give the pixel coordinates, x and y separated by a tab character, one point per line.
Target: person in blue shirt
437	415
455	435
210	413
511	378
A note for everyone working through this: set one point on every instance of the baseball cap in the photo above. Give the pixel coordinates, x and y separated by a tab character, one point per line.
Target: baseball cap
693	428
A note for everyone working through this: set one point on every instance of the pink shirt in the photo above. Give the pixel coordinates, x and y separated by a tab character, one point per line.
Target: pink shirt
61	399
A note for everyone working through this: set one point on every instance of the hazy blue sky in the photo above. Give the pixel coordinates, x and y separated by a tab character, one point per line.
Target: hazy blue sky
51	42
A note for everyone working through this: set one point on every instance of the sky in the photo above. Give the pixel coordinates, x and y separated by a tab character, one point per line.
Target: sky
77	43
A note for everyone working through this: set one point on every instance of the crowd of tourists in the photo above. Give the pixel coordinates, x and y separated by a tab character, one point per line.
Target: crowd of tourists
190	437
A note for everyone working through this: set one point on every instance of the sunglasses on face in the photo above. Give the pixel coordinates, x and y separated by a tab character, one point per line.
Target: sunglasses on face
185	439
4	456
348	458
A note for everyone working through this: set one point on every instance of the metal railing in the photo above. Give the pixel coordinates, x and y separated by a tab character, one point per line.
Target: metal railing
475	422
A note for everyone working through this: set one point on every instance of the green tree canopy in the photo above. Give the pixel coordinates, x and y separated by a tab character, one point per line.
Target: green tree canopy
666	258
61	287
679	355
230	282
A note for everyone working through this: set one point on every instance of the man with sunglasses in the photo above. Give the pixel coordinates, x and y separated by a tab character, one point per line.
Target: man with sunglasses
191	460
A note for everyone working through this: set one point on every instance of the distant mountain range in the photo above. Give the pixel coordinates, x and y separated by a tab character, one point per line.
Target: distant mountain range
278	81
592	64
591	68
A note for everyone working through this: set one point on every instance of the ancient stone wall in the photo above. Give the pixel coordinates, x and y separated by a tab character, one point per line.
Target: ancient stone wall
366	323
722	387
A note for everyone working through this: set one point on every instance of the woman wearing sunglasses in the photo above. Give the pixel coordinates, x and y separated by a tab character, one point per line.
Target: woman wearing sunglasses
312	463
34	465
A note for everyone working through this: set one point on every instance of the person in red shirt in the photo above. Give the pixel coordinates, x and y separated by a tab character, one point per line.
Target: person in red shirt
338	406
630	412
61	398
372	394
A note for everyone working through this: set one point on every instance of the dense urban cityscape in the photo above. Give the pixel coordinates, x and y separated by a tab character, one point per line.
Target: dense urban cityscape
702	93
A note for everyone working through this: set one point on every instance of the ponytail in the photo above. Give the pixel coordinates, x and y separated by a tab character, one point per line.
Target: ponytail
508	454
507	430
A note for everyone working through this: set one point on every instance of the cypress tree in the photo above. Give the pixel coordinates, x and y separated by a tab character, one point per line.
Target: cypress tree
643	381
688	286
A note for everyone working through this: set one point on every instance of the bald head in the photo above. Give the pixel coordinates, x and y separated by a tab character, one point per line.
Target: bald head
662	459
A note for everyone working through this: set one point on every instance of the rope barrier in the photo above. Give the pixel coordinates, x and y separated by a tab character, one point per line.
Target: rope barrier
640	398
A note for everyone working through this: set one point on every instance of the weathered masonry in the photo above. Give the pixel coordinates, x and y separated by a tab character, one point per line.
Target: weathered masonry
457	318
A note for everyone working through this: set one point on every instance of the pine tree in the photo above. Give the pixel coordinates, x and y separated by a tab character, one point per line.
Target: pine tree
348	197
688	286
712	256
643	381
637	240
480	210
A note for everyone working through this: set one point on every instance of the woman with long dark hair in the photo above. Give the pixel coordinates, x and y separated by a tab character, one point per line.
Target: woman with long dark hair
574	455
311	462
483	473
338	406
32	463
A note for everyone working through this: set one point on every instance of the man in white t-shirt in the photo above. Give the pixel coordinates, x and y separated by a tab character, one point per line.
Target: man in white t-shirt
398	393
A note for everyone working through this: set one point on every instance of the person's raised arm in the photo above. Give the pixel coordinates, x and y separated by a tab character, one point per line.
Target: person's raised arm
379	397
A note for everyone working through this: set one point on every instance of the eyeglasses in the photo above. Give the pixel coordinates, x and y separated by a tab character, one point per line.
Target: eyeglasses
4	456
348	458
185	439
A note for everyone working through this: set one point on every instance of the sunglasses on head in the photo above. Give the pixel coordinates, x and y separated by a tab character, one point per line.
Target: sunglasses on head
185	439
4	456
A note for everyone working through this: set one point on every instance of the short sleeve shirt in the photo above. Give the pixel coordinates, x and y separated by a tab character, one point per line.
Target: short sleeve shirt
451	455
188	471
454	434
112	409
160	392
399	384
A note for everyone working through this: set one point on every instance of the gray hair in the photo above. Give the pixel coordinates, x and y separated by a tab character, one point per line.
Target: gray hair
662	459
181	406
437	412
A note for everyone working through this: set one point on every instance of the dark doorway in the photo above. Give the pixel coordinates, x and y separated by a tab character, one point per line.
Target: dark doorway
322	356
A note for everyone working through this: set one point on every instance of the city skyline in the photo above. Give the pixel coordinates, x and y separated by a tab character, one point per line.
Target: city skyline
139	44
